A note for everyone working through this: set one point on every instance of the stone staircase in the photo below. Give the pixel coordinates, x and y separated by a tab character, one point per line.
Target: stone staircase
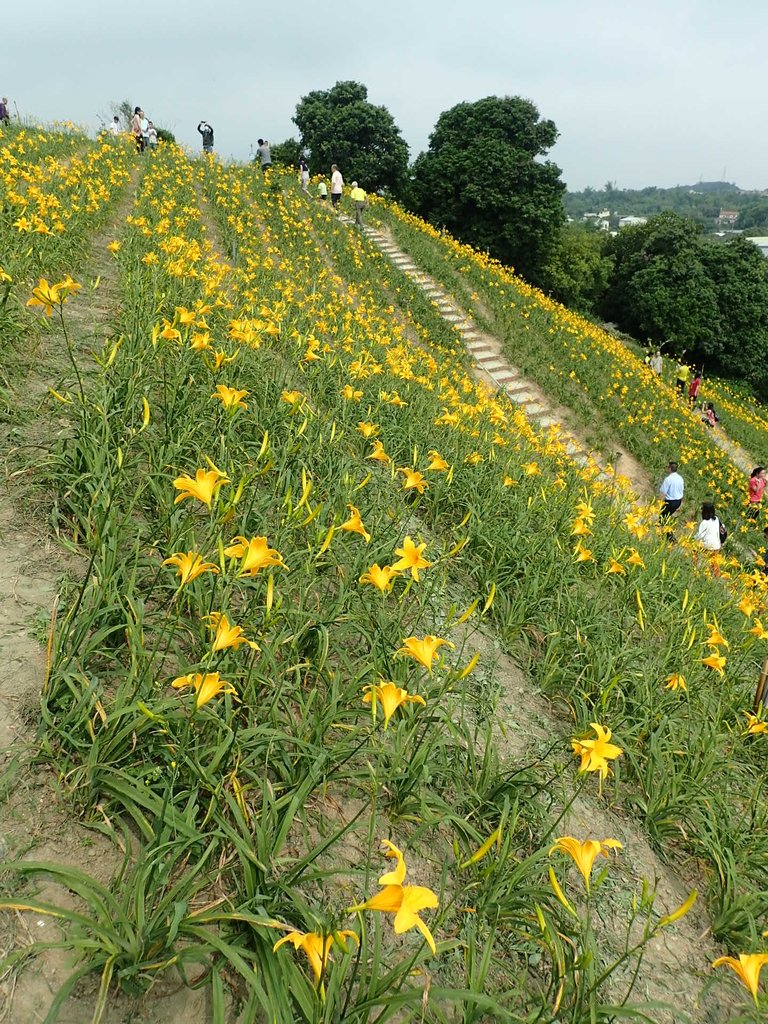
491	364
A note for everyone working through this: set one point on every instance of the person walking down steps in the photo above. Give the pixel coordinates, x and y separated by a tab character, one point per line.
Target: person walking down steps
360	199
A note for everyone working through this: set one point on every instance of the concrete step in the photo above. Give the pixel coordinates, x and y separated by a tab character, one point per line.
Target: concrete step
533	408
546	421
507	378
493	364
521	385
480	348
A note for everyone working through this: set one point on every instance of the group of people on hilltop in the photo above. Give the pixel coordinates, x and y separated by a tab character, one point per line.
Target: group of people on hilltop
143	130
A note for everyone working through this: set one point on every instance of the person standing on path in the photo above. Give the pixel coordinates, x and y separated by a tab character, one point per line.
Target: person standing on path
657	363
152	137
5	114
672	490
682	374
710	531
360	199
337	186
304	175
207	133
322	191
264	155
114	126
693	389
144	131
757	482
136	129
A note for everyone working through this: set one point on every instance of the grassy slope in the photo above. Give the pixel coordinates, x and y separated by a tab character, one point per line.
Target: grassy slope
270	785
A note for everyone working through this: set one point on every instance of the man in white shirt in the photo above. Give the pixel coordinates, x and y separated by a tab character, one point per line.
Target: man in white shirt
114	127
337	185
657	364
672	490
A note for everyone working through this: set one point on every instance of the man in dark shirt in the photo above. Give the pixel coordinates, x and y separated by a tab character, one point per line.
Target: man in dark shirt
207	132
5	115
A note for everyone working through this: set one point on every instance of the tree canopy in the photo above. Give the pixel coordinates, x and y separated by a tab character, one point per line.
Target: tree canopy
341	126
483	178
710	299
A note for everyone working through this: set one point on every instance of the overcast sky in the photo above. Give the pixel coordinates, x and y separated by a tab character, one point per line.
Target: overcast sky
657	92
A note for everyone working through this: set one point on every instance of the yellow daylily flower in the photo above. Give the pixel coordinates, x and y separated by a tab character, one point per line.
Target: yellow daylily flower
404	901
595	754
424	651
230	398
379	576
716	638
636	559
350	393
355	524
715	661
676	682
391	697
615	567
189	565
46	295
226	635
747	606
317	948
368	429
114	247
255	554
759	630
203	487
413	480
584	854
747	969
437	463
377	453
206	685
755	725
292	398
411	557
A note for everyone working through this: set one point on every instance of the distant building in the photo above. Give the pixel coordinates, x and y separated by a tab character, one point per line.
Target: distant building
629	222
761	243
728	217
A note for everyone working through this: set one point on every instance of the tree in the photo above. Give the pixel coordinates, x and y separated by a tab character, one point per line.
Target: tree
483	179
578	270
340	126
660	288
709	298
740	272
286	154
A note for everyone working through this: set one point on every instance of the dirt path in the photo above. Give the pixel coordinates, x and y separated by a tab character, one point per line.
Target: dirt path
676	967
37	822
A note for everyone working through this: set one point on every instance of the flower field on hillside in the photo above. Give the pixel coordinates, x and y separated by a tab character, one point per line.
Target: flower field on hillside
578	363
304	529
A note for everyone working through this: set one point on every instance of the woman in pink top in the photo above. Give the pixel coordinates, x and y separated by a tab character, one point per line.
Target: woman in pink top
757	484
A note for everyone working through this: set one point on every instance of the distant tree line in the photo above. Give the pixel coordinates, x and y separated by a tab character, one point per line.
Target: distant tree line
485	177
701	202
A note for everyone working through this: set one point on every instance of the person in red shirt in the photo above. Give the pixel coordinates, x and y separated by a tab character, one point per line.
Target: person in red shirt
693	389
757	482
